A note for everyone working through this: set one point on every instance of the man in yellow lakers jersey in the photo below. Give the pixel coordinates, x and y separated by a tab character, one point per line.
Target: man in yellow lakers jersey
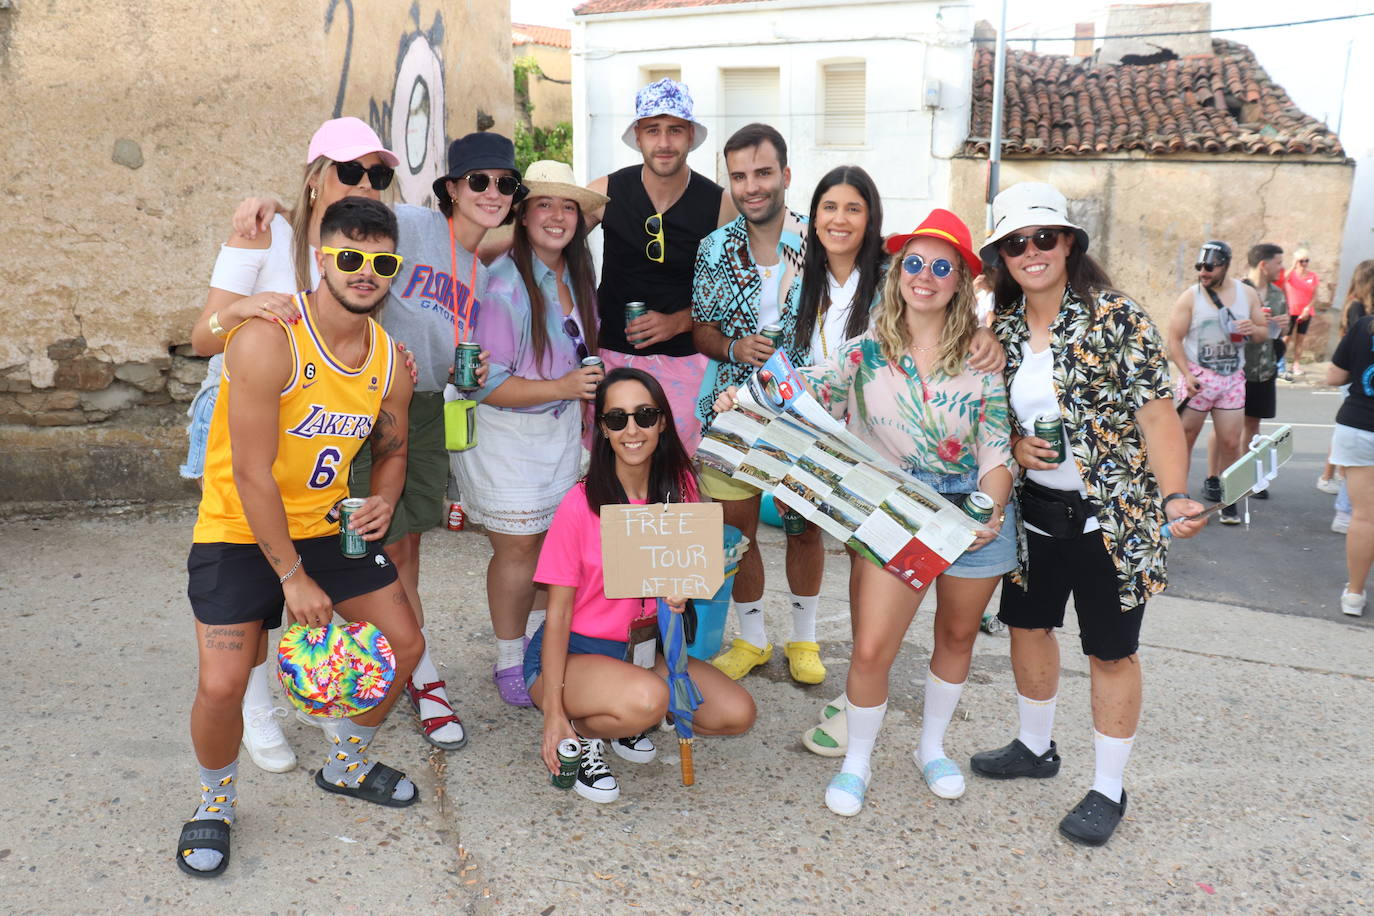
296	403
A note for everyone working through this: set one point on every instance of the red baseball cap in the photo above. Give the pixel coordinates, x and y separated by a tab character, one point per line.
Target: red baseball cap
945	226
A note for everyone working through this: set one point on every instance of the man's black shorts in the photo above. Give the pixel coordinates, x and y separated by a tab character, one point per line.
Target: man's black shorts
234	583
1261	401
1082	567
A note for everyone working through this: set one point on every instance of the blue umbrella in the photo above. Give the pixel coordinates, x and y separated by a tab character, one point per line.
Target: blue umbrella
683	695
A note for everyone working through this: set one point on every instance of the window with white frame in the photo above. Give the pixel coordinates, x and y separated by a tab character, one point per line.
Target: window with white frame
654	74
843	104
747	94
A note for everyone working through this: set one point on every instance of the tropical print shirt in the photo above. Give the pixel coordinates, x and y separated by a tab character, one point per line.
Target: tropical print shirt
1108	363
726	288
939	426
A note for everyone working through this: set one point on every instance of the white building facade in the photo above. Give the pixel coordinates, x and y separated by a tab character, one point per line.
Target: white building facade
884	84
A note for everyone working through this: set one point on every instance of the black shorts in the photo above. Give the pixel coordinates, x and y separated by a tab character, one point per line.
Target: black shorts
1082	567
1261	401
1299	325
234	583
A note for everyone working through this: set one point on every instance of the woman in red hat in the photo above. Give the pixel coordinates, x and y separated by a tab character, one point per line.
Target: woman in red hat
906	390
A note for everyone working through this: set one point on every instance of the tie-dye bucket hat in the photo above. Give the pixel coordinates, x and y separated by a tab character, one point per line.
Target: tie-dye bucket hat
664	97
335	671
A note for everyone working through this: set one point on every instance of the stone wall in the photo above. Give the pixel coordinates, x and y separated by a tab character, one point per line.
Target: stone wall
131	130
1147	216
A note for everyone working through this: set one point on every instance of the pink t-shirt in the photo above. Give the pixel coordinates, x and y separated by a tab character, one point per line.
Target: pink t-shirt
571	556
1299	290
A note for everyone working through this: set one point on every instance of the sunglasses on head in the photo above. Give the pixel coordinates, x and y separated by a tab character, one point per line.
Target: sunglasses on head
645	417
573	331
379	176
478	182
1013	246
939	268
351	260
1209	265
653	227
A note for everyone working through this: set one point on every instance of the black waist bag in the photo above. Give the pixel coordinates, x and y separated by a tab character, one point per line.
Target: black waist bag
1059	513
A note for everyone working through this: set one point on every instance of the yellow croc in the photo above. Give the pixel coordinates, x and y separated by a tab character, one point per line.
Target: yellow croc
741	658
804	661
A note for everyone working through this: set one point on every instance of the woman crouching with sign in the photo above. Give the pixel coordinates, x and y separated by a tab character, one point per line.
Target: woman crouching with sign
906	390
577	666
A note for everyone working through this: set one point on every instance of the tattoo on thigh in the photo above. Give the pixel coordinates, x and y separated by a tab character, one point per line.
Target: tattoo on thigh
229	639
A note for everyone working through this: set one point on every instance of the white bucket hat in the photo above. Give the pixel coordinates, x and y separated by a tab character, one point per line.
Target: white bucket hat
664	97
1030	203
549	178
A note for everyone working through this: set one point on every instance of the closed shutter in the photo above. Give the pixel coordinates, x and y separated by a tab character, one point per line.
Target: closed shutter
748	94
844	104
654	74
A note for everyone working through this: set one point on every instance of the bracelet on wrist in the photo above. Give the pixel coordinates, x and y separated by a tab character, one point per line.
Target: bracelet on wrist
290	572
730	350
1164	503
215	327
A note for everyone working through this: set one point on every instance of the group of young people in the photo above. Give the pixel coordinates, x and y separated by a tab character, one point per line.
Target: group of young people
886	329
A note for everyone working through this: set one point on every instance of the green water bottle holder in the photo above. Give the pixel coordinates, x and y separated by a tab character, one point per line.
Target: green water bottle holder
460	425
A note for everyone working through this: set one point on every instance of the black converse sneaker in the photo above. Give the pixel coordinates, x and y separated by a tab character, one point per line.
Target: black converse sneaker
594	779
638	749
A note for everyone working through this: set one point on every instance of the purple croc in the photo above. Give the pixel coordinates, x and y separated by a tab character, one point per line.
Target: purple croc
510	683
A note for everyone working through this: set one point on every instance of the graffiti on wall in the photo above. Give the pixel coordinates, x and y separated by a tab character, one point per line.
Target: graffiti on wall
411	120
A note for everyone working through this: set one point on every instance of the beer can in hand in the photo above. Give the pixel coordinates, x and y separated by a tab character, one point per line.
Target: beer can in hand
351	543
793	522
992	624
569	756
979	506
465	362
635	310
593	362
774	334
1050	428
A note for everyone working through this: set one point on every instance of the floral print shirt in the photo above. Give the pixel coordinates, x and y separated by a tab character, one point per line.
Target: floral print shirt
940	425
1109	361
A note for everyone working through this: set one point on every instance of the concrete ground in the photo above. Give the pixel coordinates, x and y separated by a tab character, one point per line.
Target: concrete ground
1249	788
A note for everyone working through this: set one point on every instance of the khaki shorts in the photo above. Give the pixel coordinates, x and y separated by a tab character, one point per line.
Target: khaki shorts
725	489
421	506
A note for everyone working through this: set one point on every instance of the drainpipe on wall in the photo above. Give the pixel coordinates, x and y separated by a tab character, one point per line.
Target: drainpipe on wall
999	83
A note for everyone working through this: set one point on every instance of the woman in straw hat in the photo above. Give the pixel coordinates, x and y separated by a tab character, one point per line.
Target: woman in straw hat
538	323
1089	358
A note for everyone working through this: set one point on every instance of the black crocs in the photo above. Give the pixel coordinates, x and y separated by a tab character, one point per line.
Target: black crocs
1094	819
1015	761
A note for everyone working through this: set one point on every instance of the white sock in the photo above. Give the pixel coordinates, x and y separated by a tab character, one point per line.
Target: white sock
941	699
751	626
1037	722
534	623
864	724
1112	754
509	652
804	617
426	673
259	693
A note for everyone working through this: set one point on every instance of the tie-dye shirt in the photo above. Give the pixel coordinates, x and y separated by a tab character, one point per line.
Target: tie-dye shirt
940	426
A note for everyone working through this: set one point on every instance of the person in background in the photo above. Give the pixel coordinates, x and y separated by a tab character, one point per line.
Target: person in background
538	324
576	668
1359	302
1352	447
1092	523
256	276
1300	286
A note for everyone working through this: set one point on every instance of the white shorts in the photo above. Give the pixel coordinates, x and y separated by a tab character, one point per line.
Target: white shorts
1351	447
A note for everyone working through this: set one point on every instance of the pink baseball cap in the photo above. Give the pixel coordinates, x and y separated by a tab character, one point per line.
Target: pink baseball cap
346	139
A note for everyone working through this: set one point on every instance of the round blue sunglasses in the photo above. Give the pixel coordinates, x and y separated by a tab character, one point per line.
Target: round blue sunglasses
914	264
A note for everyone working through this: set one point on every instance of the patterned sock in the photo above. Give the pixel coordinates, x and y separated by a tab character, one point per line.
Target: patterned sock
509	652
941	700
804	617
751	625
346	766
1037	722
219	795
1112	754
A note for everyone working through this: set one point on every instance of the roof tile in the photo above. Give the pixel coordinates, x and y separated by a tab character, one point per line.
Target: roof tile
548	36
592	7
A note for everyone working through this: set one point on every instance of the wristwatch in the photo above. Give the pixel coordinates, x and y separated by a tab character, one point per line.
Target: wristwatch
1164	503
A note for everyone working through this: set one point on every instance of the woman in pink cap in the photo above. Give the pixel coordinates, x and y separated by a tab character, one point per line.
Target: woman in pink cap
906	389
255	277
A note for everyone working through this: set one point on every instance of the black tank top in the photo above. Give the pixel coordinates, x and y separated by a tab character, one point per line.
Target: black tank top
627	274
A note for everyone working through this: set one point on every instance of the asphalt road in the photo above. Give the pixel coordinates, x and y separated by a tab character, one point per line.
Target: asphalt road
1287	560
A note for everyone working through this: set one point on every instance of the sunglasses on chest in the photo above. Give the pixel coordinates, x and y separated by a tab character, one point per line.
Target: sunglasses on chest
379	176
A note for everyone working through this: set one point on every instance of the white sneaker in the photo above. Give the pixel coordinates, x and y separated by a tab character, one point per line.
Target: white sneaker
1352	604
1329	485
323	723
263	740
1341	522
639	749
594	779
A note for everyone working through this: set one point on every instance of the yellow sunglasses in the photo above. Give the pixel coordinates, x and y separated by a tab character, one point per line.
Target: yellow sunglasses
653	227
350	260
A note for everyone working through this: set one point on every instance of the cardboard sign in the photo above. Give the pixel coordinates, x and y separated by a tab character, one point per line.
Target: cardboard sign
661	550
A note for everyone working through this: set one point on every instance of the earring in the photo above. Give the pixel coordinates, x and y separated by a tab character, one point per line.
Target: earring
314	193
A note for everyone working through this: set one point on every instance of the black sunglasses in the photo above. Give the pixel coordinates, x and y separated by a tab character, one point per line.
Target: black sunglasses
572	330
1013	246
506	185
645	417
1208	265
379	176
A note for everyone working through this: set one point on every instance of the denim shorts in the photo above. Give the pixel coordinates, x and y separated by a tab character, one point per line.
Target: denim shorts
198	431
995	558
577	645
